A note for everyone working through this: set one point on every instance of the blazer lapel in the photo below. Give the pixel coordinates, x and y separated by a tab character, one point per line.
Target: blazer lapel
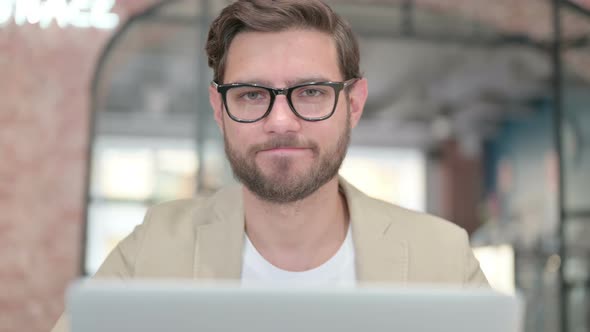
219	240
381	254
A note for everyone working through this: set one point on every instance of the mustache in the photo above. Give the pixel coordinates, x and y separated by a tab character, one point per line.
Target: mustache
278	142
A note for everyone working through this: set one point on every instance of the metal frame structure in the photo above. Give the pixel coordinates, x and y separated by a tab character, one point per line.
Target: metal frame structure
557	59
93	117
560	45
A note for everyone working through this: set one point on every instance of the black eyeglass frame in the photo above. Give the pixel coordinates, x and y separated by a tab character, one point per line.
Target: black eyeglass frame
273	92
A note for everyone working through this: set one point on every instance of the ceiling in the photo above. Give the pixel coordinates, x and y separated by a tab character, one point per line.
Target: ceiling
527	18
454	68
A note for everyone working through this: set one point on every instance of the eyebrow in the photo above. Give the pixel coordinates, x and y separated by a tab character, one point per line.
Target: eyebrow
289	83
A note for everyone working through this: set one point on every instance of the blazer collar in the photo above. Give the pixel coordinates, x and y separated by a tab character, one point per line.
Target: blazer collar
219	242
381	254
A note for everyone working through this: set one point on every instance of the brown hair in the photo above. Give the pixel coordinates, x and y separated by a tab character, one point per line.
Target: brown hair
280	15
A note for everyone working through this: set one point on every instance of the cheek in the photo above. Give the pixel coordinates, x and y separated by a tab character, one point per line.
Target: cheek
240	135
324	133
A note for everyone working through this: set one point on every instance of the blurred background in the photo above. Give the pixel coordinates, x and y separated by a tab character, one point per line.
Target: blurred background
478	112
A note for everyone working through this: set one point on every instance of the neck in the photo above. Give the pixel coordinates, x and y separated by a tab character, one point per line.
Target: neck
301	235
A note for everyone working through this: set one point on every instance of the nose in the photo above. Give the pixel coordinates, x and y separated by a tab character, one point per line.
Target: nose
281	118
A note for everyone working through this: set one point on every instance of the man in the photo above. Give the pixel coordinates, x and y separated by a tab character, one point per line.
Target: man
286	93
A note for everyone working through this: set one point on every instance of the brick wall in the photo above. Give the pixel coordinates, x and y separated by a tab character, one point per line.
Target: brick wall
44	114
461	186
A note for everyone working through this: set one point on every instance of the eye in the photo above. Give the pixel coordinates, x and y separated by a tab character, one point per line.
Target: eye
311	92
252	95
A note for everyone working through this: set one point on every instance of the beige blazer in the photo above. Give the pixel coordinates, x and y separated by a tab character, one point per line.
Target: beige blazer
203	238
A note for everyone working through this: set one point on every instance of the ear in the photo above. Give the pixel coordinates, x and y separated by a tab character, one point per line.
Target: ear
217	106
357	98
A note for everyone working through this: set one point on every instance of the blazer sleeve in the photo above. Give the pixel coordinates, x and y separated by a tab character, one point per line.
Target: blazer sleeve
119	264
473	275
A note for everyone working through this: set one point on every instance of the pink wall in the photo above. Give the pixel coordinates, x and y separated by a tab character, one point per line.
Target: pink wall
44	118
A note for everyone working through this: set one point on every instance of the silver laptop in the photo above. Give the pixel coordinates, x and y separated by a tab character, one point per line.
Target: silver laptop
162	306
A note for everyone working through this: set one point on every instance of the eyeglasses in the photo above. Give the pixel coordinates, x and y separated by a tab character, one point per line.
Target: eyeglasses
314	101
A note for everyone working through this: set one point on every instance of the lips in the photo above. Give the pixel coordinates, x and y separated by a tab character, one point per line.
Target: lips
284	148
286	144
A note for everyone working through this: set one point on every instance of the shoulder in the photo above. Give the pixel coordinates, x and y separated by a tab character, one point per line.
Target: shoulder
174	215
196	211
408	223
164	244
424	224
178	209
420	227
438	250
434	244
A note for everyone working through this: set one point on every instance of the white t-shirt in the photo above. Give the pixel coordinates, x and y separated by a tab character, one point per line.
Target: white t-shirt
337	271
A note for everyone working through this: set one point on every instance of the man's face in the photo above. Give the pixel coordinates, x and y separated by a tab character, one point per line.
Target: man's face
283	158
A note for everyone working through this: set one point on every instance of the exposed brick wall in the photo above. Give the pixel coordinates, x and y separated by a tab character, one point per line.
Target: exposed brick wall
44	114
461	186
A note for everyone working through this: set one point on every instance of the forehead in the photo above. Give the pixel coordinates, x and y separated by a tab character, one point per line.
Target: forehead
282	58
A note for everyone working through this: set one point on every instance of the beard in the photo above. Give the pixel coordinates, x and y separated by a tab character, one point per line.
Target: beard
281	185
